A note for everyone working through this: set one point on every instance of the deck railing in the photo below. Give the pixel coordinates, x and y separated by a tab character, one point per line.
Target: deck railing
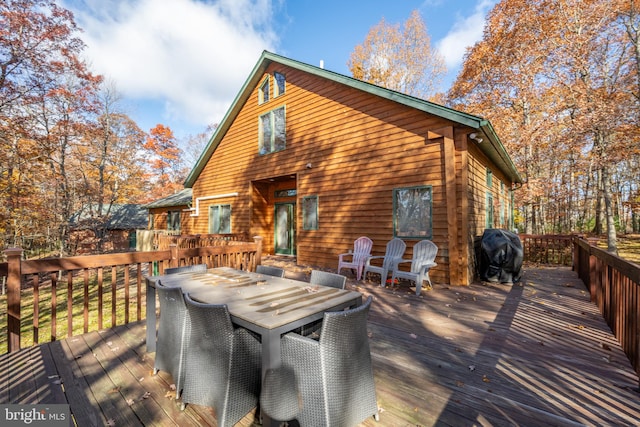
79	290
184	241
614	286
547	248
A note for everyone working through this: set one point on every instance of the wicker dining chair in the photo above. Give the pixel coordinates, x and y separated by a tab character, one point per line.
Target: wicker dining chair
326	278
222	364
186	268
172	334
333	377
270	271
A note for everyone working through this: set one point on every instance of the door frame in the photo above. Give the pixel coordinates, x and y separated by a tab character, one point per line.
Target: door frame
292	228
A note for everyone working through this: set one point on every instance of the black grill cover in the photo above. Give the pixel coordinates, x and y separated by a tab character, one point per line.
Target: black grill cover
500	257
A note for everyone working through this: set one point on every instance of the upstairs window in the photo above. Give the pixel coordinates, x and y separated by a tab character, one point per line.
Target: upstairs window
263	93
489	178
272	132
280	84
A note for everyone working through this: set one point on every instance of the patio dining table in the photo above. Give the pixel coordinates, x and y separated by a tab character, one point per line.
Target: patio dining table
267	305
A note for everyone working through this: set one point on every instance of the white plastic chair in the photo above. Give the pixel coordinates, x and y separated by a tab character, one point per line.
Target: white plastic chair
393	254
424	254
361	251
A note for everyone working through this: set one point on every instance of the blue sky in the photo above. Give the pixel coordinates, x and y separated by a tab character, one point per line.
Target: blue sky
182	62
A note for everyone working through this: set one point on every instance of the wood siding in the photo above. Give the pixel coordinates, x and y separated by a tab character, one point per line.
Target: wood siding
359	147
160	217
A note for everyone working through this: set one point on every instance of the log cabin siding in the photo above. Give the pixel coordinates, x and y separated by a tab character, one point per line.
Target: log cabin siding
359	147
160	216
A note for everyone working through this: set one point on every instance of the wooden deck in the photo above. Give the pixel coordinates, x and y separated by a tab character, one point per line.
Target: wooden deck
534	353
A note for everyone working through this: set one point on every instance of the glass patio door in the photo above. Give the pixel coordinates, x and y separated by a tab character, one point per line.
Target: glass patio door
285	228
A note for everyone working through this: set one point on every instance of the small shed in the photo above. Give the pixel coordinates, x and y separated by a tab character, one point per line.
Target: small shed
112	230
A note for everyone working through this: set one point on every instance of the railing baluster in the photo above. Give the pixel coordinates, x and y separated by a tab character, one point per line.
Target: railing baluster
100	297
126	294
69	303
85	300
114	288
139	291
54	308
36	307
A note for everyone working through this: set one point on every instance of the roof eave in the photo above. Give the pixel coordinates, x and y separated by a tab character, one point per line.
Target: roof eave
498	154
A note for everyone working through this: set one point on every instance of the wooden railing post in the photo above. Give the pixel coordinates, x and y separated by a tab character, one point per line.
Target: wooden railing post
174	261
258	240
14	278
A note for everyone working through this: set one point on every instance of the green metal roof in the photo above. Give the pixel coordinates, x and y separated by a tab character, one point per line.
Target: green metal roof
493	148
116	217
181	198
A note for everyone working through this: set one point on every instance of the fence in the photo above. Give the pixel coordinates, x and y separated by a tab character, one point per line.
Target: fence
547	248
150	240
67	289
614	286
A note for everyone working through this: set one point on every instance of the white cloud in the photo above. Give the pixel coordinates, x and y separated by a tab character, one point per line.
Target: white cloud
465	32
192	56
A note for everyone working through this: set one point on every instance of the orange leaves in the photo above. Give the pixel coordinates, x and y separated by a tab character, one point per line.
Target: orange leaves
399	59
164	161
556	80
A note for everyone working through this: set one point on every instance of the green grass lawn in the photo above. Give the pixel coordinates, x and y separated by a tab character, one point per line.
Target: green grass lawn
628	247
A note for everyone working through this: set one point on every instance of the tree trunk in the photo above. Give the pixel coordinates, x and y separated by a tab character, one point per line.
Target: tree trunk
597	228
612	245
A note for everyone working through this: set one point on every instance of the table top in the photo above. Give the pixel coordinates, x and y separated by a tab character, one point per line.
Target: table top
266	301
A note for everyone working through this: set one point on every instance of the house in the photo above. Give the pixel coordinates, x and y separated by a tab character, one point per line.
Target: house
310	160
171	212
114	229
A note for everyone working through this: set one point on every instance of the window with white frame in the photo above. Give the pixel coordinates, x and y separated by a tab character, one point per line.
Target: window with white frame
272	132
412	208
220	219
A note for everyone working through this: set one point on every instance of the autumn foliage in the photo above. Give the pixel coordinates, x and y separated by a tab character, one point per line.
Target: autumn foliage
559	82
399	59
66	146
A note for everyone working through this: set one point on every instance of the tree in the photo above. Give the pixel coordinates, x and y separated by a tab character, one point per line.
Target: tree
555	78
113	167
37	44
166	172
399	60
194	145
44	91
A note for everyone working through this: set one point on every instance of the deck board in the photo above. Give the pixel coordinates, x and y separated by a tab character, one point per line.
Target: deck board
533	353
